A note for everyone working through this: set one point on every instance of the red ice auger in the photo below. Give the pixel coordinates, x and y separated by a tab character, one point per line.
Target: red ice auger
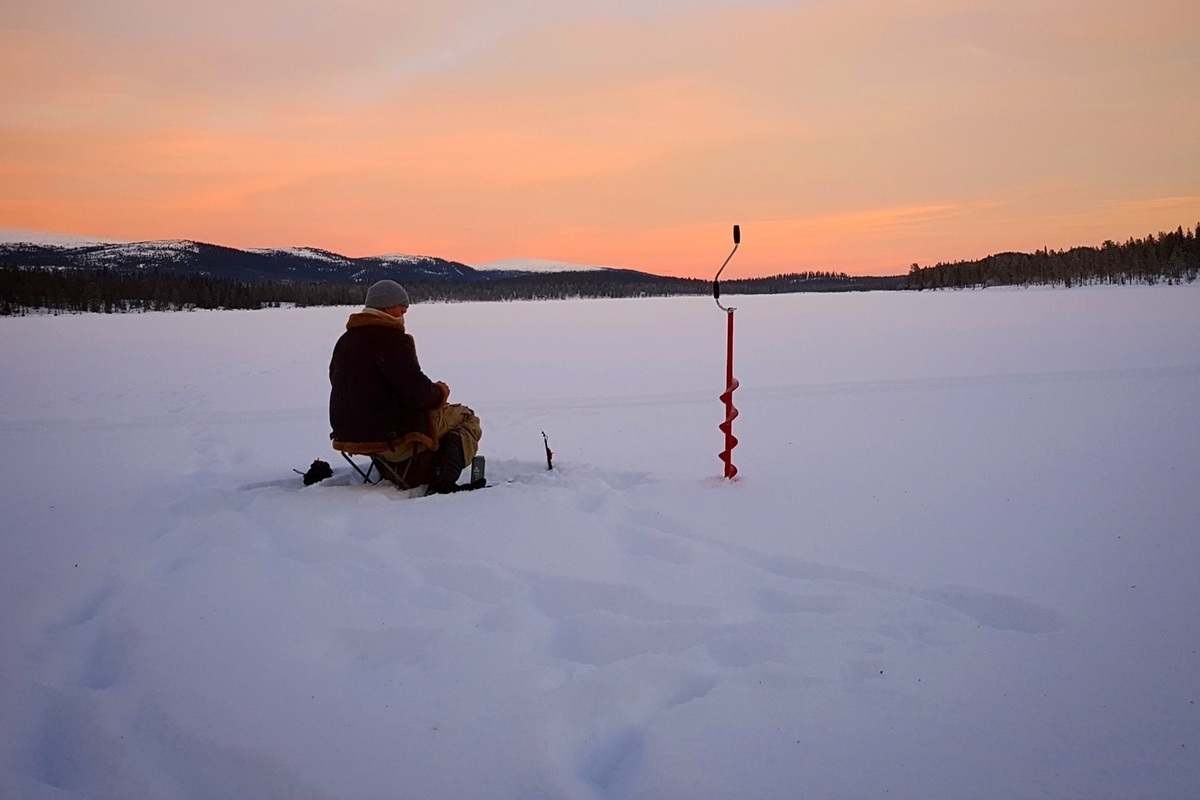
730	382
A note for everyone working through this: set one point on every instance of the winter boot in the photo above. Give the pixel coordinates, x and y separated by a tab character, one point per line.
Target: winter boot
448	464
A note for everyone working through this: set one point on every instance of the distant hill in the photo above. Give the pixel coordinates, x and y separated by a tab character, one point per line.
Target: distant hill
186	257
1168	257
25	249
512	267
75	274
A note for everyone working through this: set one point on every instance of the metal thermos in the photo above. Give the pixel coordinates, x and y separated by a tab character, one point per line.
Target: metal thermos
477	469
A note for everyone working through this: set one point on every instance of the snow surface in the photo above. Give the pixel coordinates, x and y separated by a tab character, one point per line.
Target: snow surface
533	265
314	253
960	560
399	258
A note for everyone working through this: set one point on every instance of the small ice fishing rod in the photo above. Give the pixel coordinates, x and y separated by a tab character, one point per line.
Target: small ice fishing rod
731	383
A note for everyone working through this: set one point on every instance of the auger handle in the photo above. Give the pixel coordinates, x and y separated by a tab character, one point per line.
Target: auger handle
716	286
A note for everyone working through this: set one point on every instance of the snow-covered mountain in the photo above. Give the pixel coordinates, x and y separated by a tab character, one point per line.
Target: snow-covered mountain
21	248
183	257
314	253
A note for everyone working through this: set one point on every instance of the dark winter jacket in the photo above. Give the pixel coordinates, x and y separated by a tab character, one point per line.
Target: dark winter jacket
379	393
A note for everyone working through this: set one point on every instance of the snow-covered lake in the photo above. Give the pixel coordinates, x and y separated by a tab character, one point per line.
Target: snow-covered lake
962	558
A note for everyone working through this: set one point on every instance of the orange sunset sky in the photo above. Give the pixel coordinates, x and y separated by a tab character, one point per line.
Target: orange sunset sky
857	135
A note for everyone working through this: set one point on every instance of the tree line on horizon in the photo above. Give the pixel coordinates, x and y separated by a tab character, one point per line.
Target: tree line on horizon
1163	258
1170	258
45	289
42	289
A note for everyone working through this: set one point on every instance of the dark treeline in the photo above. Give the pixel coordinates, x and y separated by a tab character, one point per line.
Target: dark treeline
811	282
625	283
1163	258
555	286
24	289
73	291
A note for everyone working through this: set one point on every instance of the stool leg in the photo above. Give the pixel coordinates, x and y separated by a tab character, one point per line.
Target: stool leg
395	476
366	476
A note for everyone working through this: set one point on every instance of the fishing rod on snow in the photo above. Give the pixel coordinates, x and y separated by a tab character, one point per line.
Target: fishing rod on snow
731	383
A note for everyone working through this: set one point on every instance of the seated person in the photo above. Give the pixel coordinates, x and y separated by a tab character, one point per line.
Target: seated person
380	396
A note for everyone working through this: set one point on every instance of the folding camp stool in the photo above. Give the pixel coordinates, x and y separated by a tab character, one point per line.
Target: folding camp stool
405	474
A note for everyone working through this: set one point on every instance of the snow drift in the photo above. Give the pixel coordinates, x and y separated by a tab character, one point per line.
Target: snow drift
959	560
